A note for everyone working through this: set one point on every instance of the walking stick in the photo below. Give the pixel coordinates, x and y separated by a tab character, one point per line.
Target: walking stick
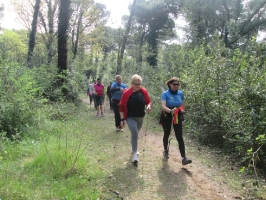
170	137
104	104
145	134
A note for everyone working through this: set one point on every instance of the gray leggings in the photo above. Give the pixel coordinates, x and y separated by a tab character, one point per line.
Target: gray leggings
134	125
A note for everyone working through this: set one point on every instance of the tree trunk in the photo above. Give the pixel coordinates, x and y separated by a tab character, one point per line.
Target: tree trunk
124	41
49	36
63	23
75	38
33	32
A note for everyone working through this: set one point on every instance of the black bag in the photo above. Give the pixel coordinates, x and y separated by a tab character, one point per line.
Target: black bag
164	116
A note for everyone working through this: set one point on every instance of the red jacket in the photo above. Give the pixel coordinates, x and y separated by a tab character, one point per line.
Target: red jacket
125	97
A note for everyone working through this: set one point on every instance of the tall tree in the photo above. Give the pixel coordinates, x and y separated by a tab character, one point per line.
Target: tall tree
2	8
87	16
47	22
154	24
33	32
63	23
124	41
236	21
47	26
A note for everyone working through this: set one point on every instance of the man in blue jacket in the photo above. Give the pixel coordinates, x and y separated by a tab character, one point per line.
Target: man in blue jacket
117	89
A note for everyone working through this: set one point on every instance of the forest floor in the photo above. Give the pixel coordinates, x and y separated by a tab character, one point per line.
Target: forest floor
210	176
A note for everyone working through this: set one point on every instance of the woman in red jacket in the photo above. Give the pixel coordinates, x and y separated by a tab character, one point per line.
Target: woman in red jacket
132	111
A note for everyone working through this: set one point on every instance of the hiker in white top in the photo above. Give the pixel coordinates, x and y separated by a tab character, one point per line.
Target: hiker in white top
92	91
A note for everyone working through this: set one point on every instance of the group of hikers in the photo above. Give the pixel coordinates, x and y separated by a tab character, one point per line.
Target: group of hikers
130	104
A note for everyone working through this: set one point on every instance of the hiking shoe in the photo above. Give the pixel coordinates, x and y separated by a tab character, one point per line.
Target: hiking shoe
186	161
165	154
135	158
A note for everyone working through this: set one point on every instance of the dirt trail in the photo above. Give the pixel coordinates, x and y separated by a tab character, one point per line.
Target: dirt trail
158	178
194	181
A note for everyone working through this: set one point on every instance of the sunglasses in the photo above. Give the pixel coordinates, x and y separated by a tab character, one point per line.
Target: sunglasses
136	84
175	84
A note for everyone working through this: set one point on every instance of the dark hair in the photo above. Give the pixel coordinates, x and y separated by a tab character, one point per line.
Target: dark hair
171	80
98	79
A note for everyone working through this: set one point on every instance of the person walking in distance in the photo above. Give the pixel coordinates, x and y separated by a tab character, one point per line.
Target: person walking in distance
89	94
99	94
117	89
109	94
172	101
92	92
132	111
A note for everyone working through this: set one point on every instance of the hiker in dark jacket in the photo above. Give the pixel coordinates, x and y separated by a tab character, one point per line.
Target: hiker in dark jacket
172	101
109	94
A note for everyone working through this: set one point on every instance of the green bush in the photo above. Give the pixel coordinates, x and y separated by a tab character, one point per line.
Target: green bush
18	99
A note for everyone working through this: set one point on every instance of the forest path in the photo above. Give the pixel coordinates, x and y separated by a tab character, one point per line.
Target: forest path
206	178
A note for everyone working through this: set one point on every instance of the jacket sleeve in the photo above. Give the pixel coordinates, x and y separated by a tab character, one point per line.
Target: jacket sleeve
147	97
122	102
113	89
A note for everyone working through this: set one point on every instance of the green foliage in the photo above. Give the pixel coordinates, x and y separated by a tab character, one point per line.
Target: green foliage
18	99
52	165
62	157
12	47
225	97
236	21
50	87
152	24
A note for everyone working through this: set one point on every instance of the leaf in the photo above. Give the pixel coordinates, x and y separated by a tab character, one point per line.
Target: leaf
242	169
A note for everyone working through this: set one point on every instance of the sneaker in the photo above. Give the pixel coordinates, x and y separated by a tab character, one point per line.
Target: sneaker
186	161
165	154
122	130
135	158
102	114
117	129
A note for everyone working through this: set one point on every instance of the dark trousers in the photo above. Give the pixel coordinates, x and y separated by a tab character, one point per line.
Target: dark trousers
93	98
117	114
110	101
90	97
166	124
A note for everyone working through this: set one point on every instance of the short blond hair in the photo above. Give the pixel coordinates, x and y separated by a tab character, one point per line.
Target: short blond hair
136	77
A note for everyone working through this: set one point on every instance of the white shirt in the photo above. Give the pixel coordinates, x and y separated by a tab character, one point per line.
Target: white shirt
91	88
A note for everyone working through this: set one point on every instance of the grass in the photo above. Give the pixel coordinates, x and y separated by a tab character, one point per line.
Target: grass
75	155
57	164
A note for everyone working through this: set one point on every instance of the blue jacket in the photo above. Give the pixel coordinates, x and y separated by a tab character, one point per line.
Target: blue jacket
115	90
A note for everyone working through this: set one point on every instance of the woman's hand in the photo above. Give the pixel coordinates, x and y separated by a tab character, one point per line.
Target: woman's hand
148	109
173	111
